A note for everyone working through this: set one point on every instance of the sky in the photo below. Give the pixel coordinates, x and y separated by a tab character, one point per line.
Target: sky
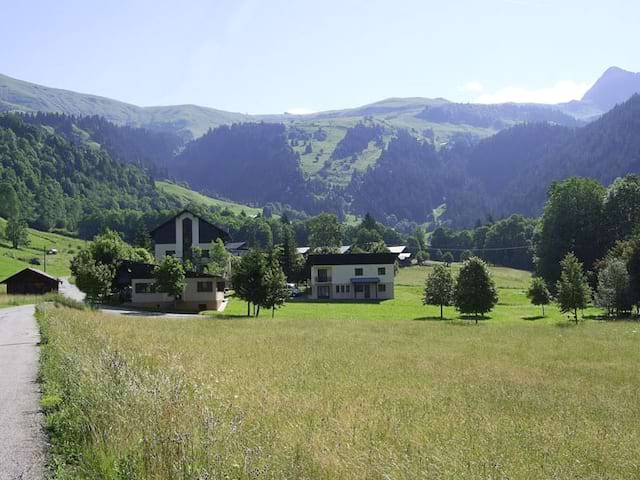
272	56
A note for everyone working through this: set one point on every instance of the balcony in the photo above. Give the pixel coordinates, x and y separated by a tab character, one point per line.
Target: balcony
322	279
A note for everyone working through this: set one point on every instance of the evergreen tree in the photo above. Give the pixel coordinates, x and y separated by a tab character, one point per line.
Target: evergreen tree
573	290
538	293
290	260
475	292
439	287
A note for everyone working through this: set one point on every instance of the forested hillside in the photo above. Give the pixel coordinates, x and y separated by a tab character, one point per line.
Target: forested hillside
59	184
250	163
142	147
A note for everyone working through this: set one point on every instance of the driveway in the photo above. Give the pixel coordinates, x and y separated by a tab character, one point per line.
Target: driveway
22	441
71	291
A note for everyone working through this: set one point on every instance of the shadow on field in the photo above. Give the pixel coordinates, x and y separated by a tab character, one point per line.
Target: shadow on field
431	319
533	317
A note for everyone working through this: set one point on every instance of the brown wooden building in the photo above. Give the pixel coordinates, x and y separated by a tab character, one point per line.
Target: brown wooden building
31	282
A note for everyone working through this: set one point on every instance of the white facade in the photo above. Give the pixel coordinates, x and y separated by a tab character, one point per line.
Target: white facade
353	282
162	249
201	293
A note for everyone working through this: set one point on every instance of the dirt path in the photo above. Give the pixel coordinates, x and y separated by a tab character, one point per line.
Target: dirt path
22	441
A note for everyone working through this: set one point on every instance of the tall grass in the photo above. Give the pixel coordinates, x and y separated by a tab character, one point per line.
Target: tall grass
312	397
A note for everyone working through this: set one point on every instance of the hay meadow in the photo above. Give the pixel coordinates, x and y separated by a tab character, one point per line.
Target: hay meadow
344	391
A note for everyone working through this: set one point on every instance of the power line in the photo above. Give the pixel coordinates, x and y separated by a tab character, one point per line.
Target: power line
496	249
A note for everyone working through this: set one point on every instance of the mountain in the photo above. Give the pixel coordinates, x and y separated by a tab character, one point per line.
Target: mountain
615	86
187	120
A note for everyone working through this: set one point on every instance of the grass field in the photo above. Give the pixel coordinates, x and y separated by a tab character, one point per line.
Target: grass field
186	196
12	261
345	391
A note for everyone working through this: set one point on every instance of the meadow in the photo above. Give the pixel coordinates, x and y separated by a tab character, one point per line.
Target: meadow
344	391
13	260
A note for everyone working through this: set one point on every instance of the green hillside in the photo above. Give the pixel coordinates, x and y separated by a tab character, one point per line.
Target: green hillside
185	196
12	261
18	95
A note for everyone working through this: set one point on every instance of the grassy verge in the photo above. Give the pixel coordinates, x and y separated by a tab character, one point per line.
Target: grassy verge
343	393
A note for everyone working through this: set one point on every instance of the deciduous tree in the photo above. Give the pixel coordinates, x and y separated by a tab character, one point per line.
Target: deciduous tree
475	292
573	290
439	287
538	293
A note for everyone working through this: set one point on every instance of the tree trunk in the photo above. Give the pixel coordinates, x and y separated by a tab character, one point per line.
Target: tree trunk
476	314
248	309
440	311
543	309
273	312
575	315
258	311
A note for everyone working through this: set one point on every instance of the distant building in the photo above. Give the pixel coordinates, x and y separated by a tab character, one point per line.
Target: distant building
352	276
31	282
177	236
181	233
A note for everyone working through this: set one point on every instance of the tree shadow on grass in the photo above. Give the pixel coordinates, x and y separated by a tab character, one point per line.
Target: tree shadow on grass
467	320
533	317
431	319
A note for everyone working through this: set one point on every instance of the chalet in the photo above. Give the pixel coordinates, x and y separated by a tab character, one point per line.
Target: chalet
31	282
181	233
352	276
177	236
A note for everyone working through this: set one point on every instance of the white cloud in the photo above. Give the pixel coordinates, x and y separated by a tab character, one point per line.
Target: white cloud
475	87
300	111
563	91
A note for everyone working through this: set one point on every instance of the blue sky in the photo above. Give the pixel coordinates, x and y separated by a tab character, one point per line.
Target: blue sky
263	56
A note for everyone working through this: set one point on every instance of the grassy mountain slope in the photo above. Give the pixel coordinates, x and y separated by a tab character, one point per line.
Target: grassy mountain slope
184	196
188	120
14	260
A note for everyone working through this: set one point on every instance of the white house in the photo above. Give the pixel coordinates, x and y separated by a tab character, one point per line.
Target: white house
352	276
184	231
203	292
177	236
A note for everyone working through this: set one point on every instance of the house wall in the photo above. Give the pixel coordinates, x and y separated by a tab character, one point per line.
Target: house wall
161	249
340	276
191	298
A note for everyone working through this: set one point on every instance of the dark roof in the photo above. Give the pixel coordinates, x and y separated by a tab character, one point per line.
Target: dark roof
32	270
185	210
351	258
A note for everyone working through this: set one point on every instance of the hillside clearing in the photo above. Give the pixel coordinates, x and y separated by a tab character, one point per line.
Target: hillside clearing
346	391
14	260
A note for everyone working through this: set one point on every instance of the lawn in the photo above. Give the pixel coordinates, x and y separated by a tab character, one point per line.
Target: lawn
14	260
345	391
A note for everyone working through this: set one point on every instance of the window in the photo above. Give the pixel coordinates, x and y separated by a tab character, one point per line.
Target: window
143	287
382	271
382	288
348	288
358	272
337	288
323	292
341	288
359	288
170	253
220	286
323	275
205	287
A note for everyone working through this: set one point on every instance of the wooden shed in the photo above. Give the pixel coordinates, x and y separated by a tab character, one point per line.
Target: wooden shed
31	282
